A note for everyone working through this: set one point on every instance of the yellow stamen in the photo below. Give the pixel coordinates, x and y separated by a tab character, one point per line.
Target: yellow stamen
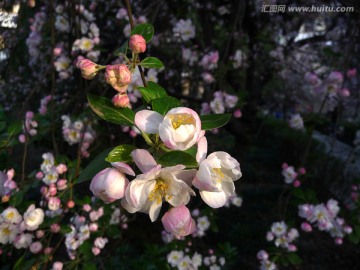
6	231
159	191
181	119
10	215
219	174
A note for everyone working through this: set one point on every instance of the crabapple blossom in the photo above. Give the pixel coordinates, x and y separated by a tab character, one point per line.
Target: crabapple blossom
179	129
11	215
148	190
216	175
121	100
36	247
185	29
23	240
33	218
296	122
178	221
137	44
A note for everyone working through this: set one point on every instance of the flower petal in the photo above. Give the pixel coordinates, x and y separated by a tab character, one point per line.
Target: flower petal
123	167
202	149
214	199
148	121
143	159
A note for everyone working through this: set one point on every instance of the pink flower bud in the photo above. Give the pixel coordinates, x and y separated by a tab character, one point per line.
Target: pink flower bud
52	190
178	221
93	227
354	196
57	266
61	184
54	203
118	76
269	236
44	190
40	234
55	228
124	226
285	166
347	229
121	100
61	168
297	183
48	250
306	227
109	185
36	247
292	248
137	44
338	241
95	251
262	255
302	171
70	204
39	175
86	207
344	92
22	138
88	68
237	113
351	73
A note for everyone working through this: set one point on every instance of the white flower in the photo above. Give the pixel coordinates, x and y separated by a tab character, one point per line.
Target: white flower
217	106
296	122
185	29
203	223
11	215
147	191
23	240
51	176
174	257
62	24
33	218
196	260
48	162
289	174
8	232
215	177
100	242
179	129
278	228
86	44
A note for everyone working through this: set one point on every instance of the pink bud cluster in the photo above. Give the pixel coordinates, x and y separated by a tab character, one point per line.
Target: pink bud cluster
290	176
7	184
282	236
30	127
324	217
43	104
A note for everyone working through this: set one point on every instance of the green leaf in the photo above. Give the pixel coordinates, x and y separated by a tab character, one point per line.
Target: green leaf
65	229
15	128
122	49
294	259
211	121
151	62
104	108
163	105
2	125
354	238
177	157
121	153
145	29
94	167
152	91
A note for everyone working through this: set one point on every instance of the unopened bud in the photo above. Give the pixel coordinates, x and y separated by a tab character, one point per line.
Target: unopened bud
137	44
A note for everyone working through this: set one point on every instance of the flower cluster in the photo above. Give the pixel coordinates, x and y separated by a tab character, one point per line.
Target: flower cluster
296	122
265	263
79	131
290	176
282	236
324	217
222	102
16	229
30	127
44	103
181	261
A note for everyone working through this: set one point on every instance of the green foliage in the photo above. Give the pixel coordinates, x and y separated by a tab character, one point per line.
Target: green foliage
177	157
122	50
152	91
94	166
151	62
165	104
146	30
104	108
121	153
211	121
